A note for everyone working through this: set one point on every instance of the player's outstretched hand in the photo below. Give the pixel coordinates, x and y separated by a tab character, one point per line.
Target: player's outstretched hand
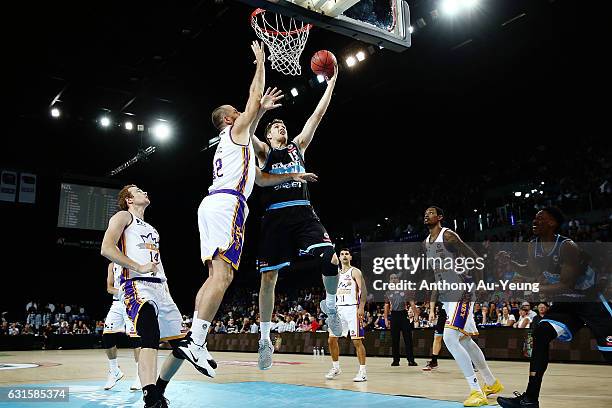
260	54
332	80
149	267
272	95
306	177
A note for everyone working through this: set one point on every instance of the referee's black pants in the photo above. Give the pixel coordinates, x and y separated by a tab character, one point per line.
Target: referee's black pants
400	323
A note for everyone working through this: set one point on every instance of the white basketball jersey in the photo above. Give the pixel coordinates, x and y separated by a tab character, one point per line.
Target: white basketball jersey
437	254
233	165
140	243
348	293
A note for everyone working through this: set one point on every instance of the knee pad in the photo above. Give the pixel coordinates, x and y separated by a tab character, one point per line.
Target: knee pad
147	327
109	340
325	255
135	342
174	344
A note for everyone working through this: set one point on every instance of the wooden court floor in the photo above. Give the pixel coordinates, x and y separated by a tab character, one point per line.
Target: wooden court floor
565	385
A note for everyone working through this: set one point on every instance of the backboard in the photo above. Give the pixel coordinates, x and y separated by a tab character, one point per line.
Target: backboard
381	22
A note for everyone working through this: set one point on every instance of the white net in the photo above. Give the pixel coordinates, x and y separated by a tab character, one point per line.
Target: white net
285	38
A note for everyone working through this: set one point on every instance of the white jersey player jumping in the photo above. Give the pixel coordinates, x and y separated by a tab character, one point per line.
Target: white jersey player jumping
442	244
223	212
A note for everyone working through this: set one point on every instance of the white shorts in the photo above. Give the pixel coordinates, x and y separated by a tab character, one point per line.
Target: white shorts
117	320
351	324
221	221
460	316
138	291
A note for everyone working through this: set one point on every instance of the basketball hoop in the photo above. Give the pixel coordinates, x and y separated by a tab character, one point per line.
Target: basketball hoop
285	38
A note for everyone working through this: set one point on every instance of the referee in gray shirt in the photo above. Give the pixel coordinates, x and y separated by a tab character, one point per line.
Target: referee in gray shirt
396	302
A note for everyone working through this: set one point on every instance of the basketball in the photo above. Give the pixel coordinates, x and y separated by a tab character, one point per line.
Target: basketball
322	63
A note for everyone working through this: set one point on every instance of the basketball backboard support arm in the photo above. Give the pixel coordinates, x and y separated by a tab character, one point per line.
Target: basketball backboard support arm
341	24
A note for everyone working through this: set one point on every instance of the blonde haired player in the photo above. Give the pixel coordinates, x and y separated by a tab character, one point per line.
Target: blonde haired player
223	212
117	321
460	325
350	300
133	244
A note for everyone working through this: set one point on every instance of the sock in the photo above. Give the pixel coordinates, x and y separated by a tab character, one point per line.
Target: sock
161	385
331	287
461	356
199	330
113	365
265	330
336	364
473	381
533	388
434	358
330	301
362	368
478	359
150	394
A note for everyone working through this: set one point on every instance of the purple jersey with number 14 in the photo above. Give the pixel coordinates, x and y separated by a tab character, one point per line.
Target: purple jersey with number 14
233	165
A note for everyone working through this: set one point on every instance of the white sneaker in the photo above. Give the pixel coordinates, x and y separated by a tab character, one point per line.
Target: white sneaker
333	373
113	378
198	356
136	384
264	361
361	376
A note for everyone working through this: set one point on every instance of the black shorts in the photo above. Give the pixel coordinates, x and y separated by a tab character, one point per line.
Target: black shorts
597	316
440	323
287	233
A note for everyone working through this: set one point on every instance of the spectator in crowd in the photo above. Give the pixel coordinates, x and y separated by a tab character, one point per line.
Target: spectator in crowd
524	320
380	323
231	327
254	328
13	330
477	313
542	310
493	313
506	318
28	330
527	306
290	325
4	329
314	326
220	327
485	315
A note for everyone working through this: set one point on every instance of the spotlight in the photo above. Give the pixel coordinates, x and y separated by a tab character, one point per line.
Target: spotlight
411	29
129	126
351	61
294	92
360	56
320	78
105	121
55	113
526	195
161	131
518	194
450	7
541	192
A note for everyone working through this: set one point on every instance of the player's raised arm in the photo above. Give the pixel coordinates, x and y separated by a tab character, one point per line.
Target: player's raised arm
268	102
266	180
110	251
463	249
242	125
305	137
110	281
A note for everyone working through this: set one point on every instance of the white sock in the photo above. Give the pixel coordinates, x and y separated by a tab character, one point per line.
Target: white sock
199	330
362	368
113	365
478	358
330	301
336	364
473	381
265	330
461	356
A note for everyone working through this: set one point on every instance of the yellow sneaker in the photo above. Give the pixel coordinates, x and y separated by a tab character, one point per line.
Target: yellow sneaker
496	388
476	399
